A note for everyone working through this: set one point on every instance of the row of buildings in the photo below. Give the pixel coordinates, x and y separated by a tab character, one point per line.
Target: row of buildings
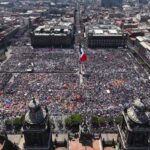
55	33
133	132
6	34
112	27
105	36
63	36
142	44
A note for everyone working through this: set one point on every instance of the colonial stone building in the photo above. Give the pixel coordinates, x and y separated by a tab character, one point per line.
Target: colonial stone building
134	132
105	36
36	130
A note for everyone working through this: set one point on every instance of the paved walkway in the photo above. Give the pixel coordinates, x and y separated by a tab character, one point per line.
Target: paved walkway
76	145
61	148
109	148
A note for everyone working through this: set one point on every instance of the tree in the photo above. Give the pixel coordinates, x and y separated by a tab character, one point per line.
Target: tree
102	121
17	123
68	122
74	121
118	119
109	120
148	108
95	121
22	119
8	124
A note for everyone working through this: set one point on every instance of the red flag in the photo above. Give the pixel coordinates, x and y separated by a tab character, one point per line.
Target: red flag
83	56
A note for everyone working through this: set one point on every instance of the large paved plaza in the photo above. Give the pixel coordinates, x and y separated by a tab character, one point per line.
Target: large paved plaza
109	81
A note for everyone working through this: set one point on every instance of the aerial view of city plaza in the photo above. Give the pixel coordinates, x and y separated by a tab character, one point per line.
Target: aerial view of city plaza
75	75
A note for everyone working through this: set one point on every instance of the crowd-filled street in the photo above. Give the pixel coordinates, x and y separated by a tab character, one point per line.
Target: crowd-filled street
112	79
103	85
25	59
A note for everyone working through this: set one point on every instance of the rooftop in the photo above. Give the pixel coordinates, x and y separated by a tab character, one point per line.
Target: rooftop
55	27
144	41
103	30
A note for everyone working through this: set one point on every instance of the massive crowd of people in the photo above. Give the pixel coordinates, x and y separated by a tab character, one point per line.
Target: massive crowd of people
40	60
112	79
4	78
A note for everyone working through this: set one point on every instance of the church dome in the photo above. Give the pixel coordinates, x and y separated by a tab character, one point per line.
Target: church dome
35	114
137	113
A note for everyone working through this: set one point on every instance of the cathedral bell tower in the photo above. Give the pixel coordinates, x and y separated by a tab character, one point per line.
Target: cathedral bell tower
134	132
36	129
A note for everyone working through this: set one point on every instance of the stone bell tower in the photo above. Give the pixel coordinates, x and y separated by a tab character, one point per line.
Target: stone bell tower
134	132
36	129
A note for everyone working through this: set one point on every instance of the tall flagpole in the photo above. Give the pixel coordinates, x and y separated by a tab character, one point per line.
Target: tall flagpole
81	74
81	68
